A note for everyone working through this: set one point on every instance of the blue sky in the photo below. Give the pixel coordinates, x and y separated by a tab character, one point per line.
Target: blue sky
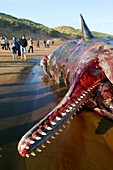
98	14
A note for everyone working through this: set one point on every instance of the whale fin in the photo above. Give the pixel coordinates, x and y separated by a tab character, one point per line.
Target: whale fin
86	33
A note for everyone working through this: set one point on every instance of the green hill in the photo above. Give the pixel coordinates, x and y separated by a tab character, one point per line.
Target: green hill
12	26
69	30
77	32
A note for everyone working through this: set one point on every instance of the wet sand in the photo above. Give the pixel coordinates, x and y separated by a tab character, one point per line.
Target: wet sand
25	97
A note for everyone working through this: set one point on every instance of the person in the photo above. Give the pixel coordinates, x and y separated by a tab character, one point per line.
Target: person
37	43
8	47
30	43
13	47
18	47
44	43
3	43
48	43
52	42
23	45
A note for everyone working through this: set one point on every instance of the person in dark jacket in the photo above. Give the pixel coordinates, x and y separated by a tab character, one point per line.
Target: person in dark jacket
18	47
23	45
14	45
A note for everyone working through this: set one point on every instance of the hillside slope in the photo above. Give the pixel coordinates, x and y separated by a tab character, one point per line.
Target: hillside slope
77	32
12	26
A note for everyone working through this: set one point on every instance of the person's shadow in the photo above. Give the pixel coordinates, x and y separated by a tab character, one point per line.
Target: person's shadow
104	125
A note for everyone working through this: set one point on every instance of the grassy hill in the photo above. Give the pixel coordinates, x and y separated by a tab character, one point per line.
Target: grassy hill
77	32
69	30
12	26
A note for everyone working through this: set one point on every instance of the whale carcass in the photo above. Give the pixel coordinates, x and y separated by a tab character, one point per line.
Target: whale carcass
86	68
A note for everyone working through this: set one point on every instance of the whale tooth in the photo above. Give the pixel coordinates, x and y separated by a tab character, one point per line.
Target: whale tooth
37	138
43	133
48	128
83	94
32	142
73	104
70	108
86	101
27	155
43	146
75	114
58	118
48	141
33	154
53	123
71	117
60	130
88	90
79	99
39	150
76	102
52	137
27	147
56	133
63	114
64	126
67	110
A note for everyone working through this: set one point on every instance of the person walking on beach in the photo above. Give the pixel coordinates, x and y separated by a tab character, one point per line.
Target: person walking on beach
44	43
13	47
23	45
37	43
3	43
48	43
52	42
18	47
30	43
8	47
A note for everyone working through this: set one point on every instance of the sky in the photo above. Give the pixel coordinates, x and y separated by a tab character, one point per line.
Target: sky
98	14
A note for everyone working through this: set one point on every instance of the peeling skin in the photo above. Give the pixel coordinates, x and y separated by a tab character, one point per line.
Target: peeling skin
103	99
82	68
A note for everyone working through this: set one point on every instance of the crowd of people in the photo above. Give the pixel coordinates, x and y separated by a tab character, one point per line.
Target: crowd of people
45	42
18	46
